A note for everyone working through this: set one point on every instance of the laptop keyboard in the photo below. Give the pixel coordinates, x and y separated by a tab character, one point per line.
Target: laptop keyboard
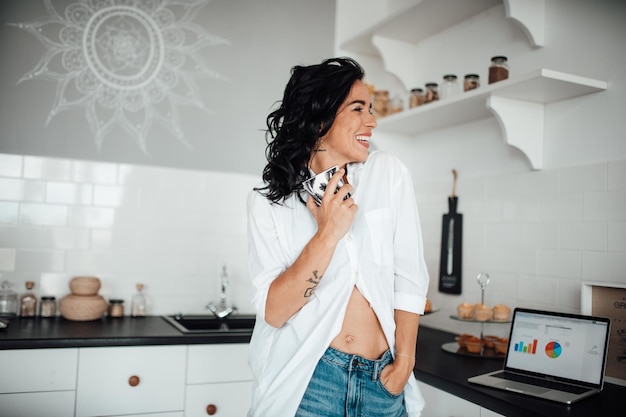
541	382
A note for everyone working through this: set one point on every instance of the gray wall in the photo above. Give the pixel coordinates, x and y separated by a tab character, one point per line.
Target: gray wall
265	39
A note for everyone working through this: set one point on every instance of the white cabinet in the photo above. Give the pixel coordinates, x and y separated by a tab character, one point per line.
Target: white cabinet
391	30
130	380
442	404
151	381
484	412
219	380
38	382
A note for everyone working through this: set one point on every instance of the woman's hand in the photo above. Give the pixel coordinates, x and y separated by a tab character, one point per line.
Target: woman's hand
336	214
395	375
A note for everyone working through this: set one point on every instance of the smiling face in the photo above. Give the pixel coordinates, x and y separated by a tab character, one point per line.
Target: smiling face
347	139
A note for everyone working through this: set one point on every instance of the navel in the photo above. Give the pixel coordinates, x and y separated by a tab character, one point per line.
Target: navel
349	339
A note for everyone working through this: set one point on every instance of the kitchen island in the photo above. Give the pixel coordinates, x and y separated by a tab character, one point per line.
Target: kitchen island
443	370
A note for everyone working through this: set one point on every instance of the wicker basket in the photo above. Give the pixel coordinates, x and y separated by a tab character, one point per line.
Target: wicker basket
85	285
82	307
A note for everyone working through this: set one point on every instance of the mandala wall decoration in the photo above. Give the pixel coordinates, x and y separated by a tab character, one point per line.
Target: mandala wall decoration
127	63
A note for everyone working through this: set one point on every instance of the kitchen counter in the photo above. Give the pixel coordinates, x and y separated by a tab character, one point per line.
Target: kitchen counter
440	369
449	372
31	333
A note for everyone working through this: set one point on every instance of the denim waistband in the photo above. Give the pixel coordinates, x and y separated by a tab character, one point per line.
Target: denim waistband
356	362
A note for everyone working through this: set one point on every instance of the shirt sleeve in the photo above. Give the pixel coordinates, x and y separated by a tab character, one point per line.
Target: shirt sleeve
411	274
265	262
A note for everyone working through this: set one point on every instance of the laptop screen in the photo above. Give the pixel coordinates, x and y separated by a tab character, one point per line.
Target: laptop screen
558	345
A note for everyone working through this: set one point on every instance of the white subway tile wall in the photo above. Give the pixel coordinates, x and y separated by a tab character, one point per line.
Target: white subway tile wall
170	229
539	234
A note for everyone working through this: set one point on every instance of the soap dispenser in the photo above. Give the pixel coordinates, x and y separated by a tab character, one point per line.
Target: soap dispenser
138	304
28	301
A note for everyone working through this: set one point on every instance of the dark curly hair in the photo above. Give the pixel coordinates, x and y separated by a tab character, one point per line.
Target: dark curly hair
307	111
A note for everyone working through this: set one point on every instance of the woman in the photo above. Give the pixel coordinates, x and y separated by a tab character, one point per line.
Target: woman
339	286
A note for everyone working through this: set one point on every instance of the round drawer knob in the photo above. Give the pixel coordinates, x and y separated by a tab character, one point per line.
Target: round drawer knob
133	381
211	409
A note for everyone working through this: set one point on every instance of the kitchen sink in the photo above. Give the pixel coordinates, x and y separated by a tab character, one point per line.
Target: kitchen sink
200	323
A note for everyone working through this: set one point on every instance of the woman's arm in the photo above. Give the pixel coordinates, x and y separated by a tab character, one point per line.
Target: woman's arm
291	290
395	376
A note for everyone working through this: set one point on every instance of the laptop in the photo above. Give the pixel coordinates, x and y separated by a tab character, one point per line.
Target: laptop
555	356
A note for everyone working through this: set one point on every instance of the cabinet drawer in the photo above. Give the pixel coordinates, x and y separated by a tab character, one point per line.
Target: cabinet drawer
229	400
171	414
49	404
34	370
129	380
218	363
442	404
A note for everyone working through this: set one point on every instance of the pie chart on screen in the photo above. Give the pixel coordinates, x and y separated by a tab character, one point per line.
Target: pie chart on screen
553	350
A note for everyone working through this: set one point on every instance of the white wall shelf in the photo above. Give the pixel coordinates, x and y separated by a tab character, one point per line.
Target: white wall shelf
412	21
517	103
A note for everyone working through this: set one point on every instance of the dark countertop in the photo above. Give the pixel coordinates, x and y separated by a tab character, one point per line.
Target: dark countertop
32	333
440	369
449	372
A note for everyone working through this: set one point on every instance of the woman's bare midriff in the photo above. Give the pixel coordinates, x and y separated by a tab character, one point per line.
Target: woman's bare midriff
361	333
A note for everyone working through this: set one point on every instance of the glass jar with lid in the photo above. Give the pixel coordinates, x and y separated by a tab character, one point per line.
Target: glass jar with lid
116	308
416	98
395	105
471	82
450	86
432	93
499	69
380	103
8	301
48	306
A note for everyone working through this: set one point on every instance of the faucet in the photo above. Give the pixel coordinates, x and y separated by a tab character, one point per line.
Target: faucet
222	310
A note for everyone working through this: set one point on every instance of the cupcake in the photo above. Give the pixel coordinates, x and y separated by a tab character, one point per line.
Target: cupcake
483	312
474	344
490	341
501	312
465	311
501	345
460	339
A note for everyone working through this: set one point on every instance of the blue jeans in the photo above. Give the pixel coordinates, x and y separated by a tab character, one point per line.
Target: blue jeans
345	385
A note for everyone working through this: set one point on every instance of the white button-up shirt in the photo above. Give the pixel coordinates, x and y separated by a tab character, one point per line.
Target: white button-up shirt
382	255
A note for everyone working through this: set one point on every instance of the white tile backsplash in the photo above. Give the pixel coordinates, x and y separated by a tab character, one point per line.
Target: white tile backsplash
583	236
538	234
9	212
95	172
617	236
68	193
10	165
92	217
47	168
608	206
559	208
21	190
7	259
34	261
559	263
43	215
617	175
583	179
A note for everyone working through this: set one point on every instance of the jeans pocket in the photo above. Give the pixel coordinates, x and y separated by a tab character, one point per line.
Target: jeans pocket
386	391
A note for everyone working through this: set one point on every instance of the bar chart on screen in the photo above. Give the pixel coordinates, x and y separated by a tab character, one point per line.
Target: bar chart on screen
526	347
